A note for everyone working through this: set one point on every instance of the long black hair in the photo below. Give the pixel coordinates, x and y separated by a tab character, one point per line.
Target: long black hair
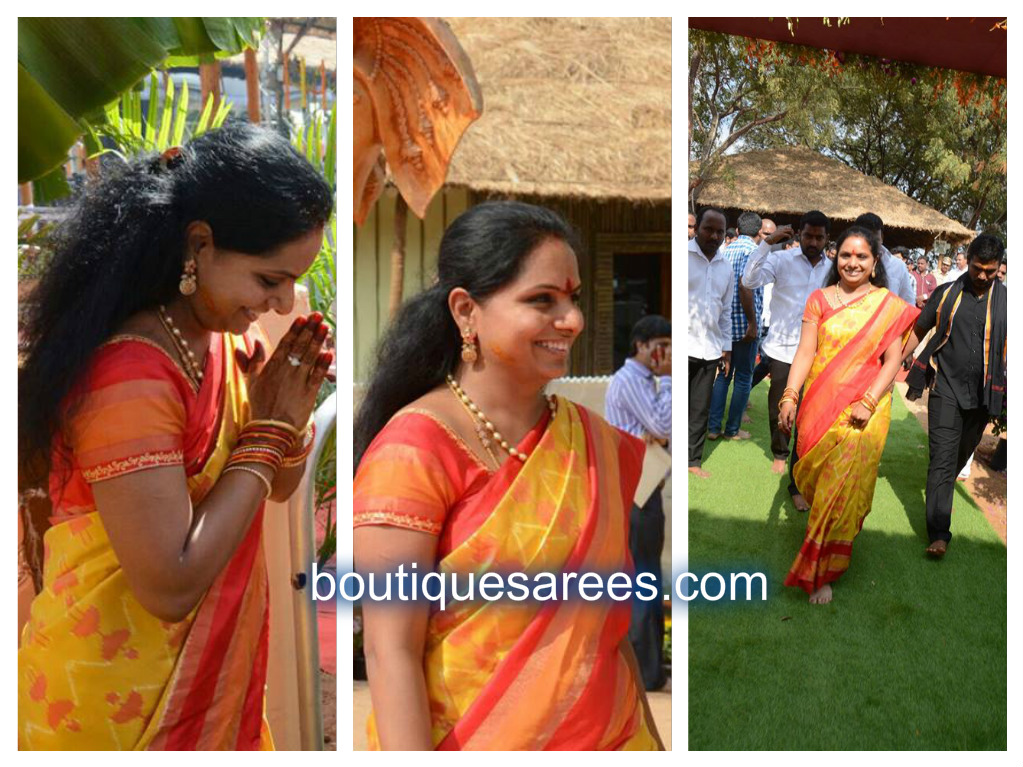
482	251
121	250
879	277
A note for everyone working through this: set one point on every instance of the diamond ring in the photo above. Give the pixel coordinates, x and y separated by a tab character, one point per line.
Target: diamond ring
295	361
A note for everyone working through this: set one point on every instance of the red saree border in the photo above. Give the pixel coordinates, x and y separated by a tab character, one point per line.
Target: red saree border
817	412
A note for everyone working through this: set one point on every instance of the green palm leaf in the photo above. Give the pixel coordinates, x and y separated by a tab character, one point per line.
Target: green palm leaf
69	68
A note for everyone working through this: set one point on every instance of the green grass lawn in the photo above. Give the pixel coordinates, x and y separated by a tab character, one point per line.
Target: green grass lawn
911	654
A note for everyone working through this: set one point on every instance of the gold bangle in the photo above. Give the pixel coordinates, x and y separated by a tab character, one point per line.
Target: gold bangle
252	470
303	447
868	406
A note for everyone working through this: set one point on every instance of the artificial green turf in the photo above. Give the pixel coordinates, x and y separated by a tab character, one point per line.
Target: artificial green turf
910	654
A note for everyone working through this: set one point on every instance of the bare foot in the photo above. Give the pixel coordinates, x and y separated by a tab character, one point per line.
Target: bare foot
741	434
713	435
800	502
937	549
822	595
746	418
778	467
699	472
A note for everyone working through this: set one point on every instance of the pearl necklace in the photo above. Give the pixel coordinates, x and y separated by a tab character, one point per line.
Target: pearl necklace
476	413
192	366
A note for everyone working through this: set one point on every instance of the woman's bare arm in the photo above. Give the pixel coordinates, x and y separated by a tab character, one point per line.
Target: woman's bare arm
395	637
170	552
803	360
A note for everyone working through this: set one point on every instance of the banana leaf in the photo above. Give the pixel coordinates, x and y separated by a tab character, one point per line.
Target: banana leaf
69	68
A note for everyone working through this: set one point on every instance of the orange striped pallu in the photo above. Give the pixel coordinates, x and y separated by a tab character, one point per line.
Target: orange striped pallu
95	669
837	464
540	675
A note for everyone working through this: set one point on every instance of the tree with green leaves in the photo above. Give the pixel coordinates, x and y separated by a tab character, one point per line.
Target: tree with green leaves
937	135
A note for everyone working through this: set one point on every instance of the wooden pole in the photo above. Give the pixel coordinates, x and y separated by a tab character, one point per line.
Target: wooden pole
287	84
209	83
323	85
398	253
252	85
303	86
25	193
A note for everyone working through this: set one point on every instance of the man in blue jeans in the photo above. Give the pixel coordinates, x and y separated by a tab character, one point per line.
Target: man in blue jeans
746	308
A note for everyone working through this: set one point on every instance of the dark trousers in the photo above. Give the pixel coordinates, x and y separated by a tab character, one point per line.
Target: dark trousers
779	380
792	461
701	386
646	627
764	366
952	434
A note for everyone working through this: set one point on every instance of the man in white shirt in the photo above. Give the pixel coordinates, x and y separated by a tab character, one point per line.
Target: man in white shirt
945	272
795	274
711	286
899	280
959	267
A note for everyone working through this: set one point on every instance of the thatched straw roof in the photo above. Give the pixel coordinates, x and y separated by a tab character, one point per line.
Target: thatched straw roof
572	107
791	181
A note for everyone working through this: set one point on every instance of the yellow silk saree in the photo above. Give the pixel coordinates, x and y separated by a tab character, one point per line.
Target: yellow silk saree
837	464
95	670
530	675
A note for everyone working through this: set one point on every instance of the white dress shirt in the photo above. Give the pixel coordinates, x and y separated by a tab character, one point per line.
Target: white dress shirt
711	285
899	280
794	279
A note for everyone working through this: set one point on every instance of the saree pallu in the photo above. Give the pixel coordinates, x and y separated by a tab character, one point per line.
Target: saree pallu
837	464
529	675
96	670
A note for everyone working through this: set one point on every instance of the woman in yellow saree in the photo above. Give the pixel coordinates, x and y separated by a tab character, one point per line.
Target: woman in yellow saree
849	353
463	466
165	430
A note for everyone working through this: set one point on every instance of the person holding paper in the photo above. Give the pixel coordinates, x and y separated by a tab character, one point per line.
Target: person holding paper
639	403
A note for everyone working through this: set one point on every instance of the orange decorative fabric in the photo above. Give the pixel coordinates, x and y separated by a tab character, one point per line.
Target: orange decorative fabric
837	466
96	671
531	675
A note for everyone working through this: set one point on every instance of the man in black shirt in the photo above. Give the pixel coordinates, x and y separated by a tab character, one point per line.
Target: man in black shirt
967	386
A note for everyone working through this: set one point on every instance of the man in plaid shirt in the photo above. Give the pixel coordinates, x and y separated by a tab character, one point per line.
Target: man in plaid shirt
746	309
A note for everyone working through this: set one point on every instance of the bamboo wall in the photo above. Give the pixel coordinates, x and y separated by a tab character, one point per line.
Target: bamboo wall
372	267
604	227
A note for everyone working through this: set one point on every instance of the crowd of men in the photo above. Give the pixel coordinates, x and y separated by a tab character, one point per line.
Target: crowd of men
747	294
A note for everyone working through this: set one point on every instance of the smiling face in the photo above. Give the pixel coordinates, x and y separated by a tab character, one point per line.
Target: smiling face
527	328
235	288
855	263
